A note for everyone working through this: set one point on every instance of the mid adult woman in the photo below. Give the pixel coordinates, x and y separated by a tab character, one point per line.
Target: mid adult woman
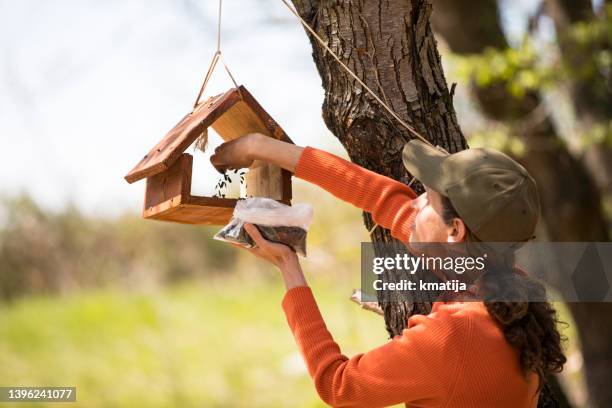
463	354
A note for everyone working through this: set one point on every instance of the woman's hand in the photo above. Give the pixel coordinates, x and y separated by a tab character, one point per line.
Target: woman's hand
243	151
280	255
237	153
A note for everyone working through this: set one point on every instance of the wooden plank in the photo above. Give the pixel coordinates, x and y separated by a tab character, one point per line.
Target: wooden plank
171	184
216	202
238	121
247	116
253	179
181	136
265	180
165	207
287	186
273	128
212	201
197	211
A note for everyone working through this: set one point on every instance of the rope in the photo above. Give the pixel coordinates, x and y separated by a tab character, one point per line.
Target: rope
228	71
351	73
216	57
211	68
219	27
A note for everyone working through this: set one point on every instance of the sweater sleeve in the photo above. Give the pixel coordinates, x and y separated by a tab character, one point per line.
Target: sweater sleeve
418	367
388	200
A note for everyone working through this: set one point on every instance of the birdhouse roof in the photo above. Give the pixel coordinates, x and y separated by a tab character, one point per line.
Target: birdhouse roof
232	114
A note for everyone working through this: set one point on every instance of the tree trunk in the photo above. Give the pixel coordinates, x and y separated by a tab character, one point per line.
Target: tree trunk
590	90
390	46
570	200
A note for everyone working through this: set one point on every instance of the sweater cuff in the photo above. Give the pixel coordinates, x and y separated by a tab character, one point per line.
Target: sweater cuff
300	306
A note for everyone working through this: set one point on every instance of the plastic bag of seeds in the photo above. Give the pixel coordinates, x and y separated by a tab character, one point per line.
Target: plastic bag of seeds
275	221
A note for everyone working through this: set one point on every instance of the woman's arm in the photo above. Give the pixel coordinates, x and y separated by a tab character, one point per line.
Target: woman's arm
243	151
418	366
389	201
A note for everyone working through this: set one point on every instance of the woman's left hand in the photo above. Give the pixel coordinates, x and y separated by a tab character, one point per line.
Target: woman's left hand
280	255
237	153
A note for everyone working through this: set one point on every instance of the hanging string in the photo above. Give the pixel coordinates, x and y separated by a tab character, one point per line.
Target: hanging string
219	45
211	68
219	27
216	57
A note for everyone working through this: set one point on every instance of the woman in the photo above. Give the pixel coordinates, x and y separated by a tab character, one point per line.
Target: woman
464	353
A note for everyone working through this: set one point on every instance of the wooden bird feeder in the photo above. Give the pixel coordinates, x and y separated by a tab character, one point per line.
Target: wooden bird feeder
168	169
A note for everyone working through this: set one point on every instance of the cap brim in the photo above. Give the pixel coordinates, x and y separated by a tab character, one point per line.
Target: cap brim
424	162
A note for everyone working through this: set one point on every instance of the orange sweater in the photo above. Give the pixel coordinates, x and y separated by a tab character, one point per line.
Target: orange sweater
454	357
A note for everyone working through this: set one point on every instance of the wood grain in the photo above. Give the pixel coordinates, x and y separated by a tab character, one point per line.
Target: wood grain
174	182
232	114
177	140
169	171
193	210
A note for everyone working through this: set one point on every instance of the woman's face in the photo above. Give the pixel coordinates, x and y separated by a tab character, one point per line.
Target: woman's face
429	226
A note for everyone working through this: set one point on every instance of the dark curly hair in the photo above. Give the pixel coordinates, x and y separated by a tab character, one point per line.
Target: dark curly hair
530	327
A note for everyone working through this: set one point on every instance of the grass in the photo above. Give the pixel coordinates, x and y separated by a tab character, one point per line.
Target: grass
214	344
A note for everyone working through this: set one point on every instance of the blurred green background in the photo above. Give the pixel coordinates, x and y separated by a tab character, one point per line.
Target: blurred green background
143	313
139	313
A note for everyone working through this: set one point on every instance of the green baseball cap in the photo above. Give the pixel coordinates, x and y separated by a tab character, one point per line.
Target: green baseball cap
493	194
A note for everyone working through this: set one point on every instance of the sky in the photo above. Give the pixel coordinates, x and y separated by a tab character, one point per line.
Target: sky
87	87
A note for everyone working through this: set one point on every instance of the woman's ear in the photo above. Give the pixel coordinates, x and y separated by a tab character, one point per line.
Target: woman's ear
457	231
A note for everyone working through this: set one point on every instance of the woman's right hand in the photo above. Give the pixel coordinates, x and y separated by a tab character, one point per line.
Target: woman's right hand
237	153
279	255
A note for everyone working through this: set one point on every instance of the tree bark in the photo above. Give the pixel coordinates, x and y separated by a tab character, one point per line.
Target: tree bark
570	200
391	47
